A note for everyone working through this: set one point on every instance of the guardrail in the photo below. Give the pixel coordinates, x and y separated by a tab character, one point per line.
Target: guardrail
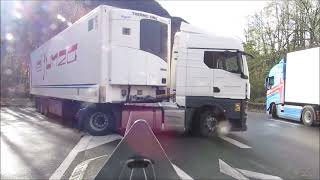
260	107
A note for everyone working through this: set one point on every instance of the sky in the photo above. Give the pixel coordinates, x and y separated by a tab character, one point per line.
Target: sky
226	18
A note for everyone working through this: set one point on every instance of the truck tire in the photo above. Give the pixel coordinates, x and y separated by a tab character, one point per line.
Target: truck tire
308	116
208	124
274	111
99	123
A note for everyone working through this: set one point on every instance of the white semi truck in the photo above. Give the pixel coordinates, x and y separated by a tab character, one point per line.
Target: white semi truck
117	64
293	87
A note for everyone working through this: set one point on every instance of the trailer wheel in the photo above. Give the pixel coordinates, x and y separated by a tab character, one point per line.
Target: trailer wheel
274	111
308	115
208	124
99	123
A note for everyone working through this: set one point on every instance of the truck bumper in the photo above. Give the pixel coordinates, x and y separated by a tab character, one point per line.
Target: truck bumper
234	110
240	123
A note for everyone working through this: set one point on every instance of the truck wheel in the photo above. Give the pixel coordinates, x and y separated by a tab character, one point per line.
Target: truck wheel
308	115
274	111
99	123
208	124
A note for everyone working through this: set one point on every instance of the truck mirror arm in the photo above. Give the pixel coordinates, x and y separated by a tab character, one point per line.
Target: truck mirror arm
244	76
247	54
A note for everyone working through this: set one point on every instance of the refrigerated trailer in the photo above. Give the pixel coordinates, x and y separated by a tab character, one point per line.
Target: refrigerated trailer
293	87
117	64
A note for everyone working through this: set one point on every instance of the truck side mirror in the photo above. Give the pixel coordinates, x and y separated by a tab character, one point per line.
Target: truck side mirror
269	81
248	55
266	83
244	76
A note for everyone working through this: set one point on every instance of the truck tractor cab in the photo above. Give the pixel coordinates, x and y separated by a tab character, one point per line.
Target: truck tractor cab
274	83
210	76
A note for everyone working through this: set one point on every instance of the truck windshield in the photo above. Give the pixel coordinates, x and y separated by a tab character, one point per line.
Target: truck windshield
225	60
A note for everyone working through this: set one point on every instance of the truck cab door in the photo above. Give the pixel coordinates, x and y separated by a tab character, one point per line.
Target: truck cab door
228	85
199	75
228	81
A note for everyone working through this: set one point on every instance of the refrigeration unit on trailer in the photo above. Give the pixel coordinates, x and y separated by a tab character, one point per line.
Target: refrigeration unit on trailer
293	87
114	64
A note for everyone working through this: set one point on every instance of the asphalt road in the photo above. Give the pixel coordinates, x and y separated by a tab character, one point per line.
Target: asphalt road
33	146
37	147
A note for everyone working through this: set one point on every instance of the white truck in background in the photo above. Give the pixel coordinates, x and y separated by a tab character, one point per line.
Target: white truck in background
293	87
117	64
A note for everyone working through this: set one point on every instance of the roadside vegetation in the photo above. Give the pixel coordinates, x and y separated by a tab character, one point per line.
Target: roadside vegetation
281	27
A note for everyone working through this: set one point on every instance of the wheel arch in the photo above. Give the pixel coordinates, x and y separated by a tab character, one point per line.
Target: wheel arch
269	108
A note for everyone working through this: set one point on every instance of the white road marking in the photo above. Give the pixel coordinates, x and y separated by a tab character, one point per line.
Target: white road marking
183	175
71	156
230	171
257	175
244	174
234	142
86	142
281	121
81	168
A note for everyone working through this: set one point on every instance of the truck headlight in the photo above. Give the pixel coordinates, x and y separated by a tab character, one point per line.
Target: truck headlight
237	107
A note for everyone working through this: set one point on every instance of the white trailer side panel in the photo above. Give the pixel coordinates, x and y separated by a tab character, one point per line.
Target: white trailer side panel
68	65
100	55
302	76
